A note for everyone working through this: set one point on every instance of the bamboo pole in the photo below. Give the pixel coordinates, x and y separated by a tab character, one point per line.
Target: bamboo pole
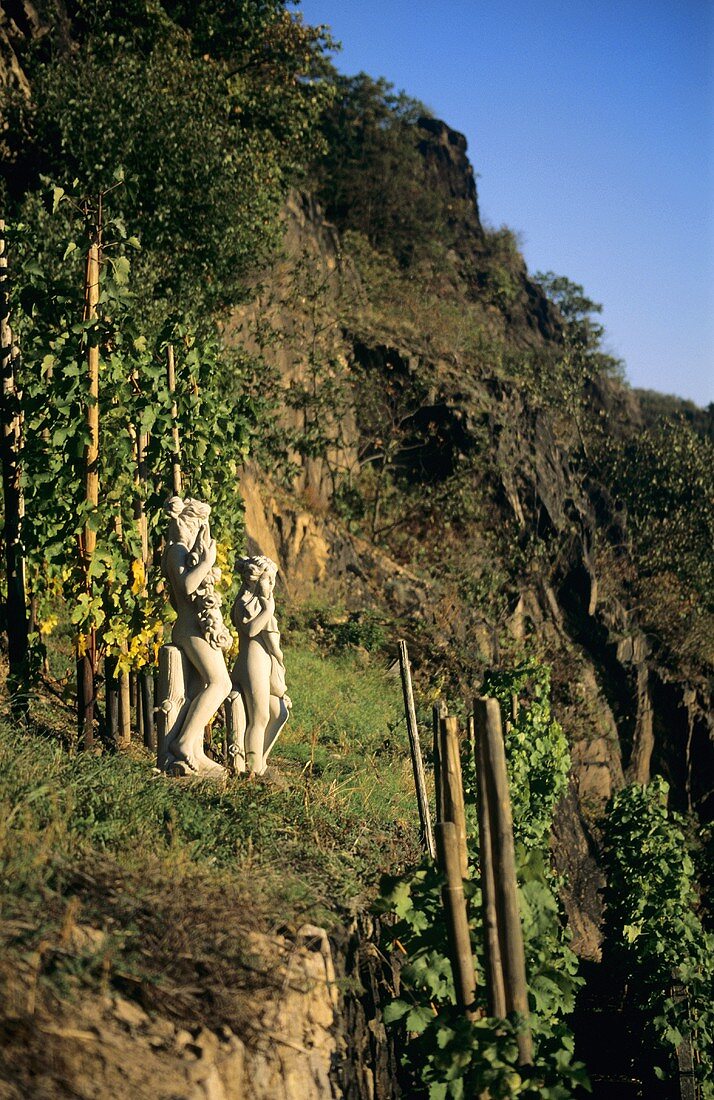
146	689
87	650
141	442
145	676
91	455
438	711
124	710
17	628
111	699
457	925
494	967
427	835
176	479
510	933
452	785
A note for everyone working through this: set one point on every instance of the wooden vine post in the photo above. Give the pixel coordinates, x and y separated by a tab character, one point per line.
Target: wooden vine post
17	627
451	800
452	855
457	924
427	835
176	480
87	645
146	687
438	711
145	675
141	442
499	849
494	969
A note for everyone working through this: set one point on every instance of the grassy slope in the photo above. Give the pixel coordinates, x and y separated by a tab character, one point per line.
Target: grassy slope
172	872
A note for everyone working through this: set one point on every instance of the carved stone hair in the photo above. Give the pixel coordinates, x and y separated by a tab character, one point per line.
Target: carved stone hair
184	516
173	507
252	569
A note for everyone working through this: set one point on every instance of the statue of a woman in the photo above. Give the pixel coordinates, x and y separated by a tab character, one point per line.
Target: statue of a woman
261	705
188	563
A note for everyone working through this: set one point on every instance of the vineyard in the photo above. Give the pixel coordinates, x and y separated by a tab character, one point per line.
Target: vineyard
98	432
101	424
229	272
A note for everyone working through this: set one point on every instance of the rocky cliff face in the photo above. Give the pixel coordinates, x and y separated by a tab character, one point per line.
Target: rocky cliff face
19	22
623	712
529	315
312	1031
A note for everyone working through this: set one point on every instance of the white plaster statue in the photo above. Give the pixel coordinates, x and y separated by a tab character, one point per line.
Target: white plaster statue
193	677
259	705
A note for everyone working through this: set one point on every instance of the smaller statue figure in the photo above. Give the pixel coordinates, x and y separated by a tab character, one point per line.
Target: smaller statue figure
259	705
193	677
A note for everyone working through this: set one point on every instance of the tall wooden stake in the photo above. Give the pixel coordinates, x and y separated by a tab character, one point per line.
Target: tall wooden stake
427	836
146	690
438	711
111	700
494	969
510	933
176	456
138	704
124	710
457	925
17	632
145	677
141	441
87	652
452	797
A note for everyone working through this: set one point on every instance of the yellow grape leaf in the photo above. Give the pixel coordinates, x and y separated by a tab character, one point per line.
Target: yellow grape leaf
137	572
47	625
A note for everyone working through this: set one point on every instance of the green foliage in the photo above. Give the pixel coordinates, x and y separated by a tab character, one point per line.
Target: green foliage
501	268
579	364
656	937
536	748
445	1052
658	406
213	420
211	109
664	477
584	335
373	179
365	629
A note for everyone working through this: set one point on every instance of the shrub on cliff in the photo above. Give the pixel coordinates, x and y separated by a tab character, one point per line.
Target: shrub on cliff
372	178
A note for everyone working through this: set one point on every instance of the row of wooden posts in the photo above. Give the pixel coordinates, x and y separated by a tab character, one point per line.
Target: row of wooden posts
117	720
129	705
506	989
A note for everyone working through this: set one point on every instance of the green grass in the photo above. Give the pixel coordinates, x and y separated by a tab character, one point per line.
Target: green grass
101	840
348	730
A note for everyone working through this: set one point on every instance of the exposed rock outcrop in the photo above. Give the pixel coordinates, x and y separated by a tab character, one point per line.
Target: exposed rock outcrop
608	686
312	1033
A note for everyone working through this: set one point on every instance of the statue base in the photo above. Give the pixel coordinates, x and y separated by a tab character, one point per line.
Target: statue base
170	712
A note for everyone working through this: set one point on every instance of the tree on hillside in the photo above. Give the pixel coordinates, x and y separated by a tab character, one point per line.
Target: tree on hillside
664	476
584	334
372	178
211	109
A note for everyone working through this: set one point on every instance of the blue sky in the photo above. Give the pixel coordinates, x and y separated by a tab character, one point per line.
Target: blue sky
591	127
